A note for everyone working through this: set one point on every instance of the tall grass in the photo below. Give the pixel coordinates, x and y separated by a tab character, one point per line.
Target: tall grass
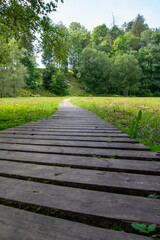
123	112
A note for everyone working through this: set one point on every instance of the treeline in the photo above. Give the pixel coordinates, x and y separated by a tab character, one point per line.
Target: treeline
20	22
122	60
118	60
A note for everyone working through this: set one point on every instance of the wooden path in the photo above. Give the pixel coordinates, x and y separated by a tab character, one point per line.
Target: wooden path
81	175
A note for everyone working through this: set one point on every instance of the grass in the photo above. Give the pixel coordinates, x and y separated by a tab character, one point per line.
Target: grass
74	88
123	112
18	111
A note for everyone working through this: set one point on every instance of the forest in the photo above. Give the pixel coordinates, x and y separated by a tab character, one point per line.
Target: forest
121	60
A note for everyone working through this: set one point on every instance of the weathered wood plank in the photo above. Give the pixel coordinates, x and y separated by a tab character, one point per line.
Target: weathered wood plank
71	138
84	202
52	126
94	179
57	124
63	130
70	121
67	134
28	225
83	162
114	153
112	145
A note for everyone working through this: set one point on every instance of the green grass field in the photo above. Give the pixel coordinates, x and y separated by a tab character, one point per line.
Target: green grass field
17	111
119	111
122	112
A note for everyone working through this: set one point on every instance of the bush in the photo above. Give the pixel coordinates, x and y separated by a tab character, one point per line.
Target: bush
58	84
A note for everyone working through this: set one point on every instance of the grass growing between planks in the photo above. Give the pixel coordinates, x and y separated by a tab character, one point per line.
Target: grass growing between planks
138	117
18	111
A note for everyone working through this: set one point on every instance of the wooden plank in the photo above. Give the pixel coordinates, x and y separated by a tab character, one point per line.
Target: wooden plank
70	121
93	179
27	226
112	145
114	153
149	167
67	134
63	130
52	126
83	202
60	127
72	138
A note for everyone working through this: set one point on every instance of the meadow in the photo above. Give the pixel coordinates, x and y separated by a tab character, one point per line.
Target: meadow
138	117
119	111
17	111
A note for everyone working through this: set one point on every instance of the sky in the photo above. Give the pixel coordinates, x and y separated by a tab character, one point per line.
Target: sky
92	13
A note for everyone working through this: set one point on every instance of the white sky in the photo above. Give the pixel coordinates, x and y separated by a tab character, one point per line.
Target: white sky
92	13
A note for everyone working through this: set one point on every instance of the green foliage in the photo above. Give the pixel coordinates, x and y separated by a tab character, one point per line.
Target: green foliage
79	39
20	92
58	84
47	76
74	88
24	17
117	228
135	124
55	44
115	32
143	228
149	59
12	71
94	68
127	73
18	111
30	64
125	43
154	195
99	33
138	26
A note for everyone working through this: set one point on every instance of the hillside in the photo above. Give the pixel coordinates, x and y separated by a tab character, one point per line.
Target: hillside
74	85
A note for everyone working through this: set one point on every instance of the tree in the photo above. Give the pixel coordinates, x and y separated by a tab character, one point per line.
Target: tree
30	65
55	43
3	82
147	37
128	26
105	45
139	26
13	72
157	37
127	73
115	32
47	76
125	43
25	16
99	33
79	39
94	68
58	84
149	60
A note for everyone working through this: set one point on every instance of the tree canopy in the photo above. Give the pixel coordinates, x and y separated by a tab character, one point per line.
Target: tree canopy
116	60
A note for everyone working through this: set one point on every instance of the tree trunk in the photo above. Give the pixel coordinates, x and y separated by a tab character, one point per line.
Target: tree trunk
126	92
14	91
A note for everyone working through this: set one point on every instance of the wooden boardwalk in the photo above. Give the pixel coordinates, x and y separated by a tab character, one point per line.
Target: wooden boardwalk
80	174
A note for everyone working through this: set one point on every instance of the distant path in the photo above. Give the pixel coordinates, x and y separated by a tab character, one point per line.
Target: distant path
82	170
